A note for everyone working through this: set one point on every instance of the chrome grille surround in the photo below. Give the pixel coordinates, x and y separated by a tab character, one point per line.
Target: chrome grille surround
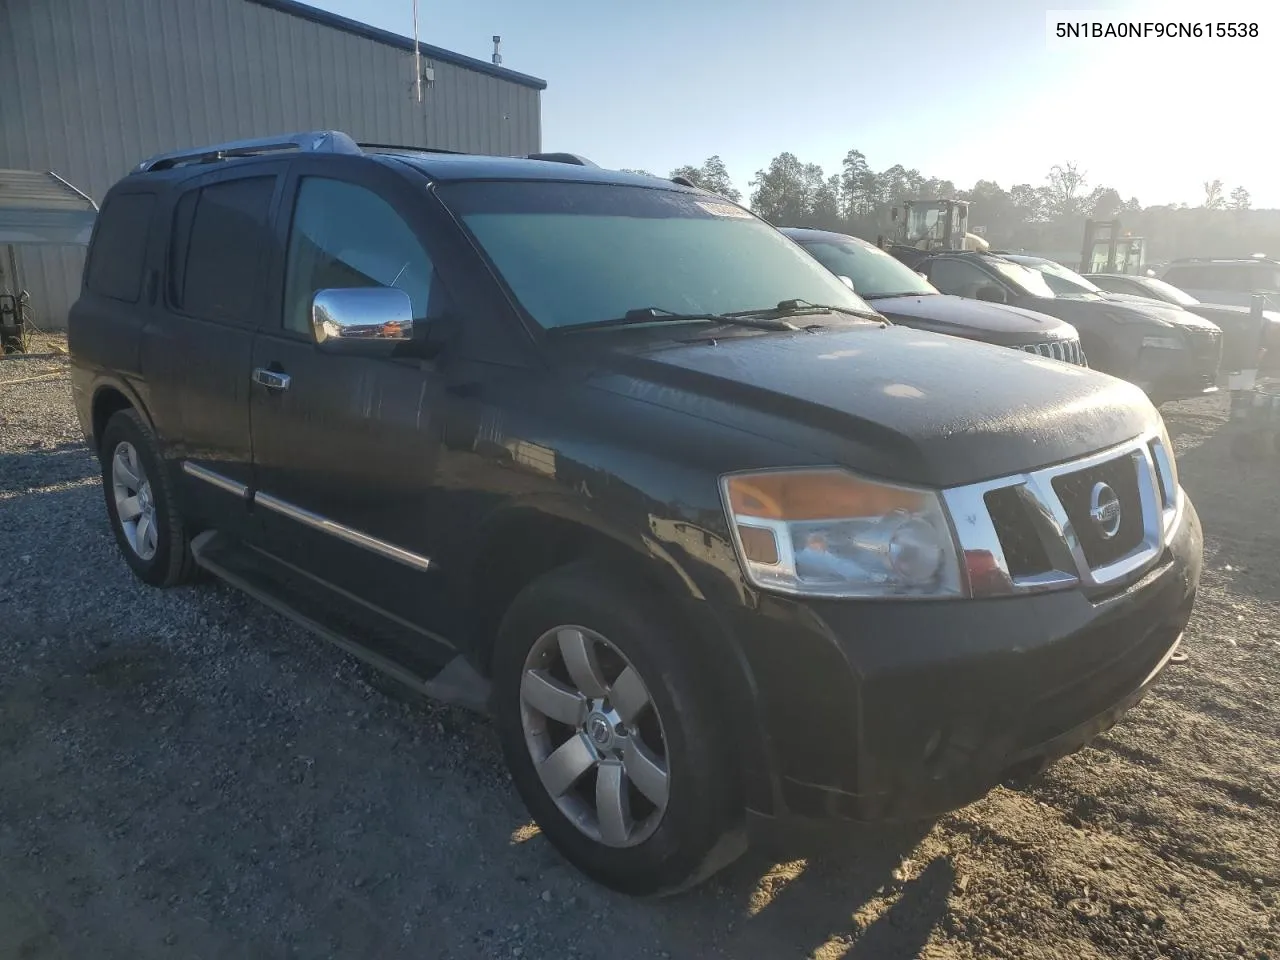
983	553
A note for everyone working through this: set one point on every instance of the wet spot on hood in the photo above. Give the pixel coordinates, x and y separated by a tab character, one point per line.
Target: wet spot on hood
904	390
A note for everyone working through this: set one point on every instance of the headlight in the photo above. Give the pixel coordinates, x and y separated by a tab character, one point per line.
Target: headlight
828	533
1162	343
1125	316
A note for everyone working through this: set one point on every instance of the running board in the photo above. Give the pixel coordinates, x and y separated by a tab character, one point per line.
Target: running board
269	582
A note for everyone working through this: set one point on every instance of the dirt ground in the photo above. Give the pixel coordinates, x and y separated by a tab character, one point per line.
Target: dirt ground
184	774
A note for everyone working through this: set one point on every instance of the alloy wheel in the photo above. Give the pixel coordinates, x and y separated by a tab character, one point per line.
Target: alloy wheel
595	736
135	507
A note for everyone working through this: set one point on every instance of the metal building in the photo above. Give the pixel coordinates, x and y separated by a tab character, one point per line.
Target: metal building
90	87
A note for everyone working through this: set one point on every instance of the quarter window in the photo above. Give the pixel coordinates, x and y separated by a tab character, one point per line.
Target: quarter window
344	236
120	247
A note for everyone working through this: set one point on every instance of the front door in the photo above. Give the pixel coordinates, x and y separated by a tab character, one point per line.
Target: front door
346	447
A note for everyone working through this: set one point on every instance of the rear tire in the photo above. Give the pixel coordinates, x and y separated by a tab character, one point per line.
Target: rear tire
651	805
142	504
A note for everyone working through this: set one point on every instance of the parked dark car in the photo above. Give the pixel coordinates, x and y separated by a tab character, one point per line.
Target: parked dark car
1240	333
1171	354
615	460
905	297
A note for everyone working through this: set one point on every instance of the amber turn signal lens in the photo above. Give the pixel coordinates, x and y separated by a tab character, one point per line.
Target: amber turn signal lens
816	495
758	545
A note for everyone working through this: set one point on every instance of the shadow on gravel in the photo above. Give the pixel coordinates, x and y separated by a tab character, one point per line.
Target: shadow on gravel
837	890
46	466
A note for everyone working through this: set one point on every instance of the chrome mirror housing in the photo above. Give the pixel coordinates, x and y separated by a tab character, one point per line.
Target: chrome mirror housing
361	315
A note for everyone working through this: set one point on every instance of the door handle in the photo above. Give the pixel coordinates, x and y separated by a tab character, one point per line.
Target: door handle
271	379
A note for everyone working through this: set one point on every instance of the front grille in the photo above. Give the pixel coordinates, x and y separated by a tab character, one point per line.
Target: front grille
1076	491
1024	551
1067	351
1038	531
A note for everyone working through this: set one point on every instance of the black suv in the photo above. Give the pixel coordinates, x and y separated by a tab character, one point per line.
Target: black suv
615	460
1170	353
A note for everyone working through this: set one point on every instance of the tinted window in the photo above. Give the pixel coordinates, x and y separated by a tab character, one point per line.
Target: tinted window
346	236
120	247
574	253
219	246
958	278
1189	278
874	273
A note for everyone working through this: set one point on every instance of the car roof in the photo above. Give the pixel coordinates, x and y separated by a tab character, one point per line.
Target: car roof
448	167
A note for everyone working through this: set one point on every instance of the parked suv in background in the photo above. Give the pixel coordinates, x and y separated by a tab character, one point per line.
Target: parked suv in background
1169	353
905	297
1233	281
619	462
1240	332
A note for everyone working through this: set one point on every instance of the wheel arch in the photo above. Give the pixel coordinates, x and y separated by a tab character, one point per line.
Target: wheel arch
110	396
504	564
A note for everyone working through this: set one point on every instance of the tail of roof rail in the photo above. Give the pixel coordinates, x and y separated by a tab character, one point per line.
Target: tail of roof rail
315	141
561	158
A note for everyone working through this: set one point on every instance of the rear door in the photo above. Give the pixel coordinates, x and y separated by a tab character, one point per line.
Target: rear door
196	350
346	447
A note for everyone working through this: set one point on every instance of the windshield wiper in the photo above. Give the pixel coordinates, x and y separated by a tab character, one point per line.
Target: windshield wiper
640	315
791	307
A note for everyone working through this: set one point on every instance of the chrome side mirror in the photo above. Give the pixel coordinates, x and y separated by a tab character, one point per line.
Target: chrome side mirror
846	281
360	318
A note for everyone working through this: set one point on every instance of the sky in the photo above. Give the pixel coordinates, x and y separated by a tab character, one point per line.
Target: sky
958	90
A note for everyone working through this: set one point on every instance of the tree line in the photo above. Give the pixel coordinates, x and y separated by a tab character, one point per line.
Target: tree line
1048	217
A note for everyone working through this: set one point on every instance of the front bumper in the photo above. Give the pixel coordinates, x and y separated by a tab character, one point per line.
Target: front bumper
1179	374
901	711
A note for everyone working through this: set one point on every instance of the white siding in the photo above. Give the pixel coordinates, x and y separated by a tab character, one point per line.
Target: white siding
90	87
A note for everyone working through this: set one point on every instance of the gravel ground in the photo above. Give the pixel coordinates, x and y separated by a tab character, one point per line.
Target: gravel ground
185	774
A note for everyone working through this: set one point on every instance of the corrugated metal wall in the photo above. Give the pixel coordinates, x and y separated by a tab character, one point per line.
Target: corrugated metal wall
90	87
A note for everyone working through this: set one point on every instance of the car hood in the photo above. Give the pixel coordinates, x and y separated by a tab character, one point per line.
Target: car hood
888	401
1160	314
994	322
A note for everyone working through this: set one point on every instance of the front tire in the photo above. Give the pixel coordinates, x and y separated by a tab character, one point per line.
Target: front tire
609	734
142	504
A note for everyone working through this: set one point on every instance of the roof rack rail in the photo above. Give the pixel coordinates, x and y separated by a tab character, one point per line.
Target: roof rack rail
316	141
560	158
402	148
683	181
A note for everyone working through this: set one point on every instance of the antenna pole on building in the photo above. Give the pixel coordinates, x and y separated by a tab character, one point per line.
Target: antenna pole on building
417	61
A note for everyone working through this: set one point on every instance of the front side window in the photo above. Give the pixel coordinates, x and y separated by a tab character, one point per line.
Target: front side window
958	278
219	244
343	236
577	253
874	273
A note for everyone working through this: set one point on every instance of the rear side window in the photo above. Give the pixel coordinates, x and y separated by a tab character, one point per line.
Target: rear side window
1189	278
120	247
218	248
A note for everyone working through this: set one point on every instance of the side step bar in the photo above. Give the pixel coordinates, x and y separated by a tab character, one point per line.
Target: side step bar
456	682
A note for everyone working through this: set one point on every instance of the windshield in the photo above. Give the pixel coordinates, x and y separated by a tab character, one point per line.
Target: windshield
874	273
580	253
1031	282
1063	282
1167	291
